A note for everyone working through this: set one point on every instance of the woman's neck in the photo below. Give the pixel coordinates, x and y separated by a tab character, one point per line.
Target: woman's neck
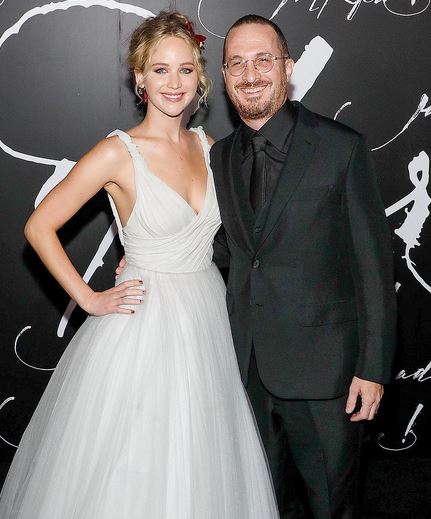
160	125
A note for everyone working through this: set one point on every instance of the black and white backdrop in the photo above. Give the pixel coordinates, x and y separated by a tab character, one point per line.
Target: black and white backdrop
64	85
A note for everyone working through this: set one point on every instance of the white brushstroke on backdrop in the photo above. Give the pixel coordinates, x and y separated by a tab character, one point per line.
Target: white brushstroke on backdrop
386	4
320	6
311	8
412	421
342	107
412	3
9	399
419	375
205	26
409	438
279	8
17	338
421	109
410	230
309	67
67	4
28	158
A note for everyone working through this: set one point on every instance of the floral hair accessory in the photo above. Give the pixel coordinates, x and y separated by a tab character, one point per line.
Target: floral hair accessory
199	38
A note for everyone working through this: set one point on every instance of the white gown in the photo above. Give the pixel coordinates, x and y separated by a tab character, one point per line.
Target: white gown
145	416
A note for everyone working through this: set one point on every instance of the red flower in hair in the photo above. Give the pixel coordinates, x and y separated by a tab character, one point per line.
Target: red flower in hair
199	38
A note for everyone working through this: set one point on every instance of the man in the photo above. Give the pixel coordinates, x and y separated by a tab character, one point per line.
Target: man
310	288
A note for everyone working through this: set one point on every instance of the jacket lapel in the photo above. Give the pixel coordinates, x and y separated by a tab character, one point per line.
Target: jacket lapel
301	152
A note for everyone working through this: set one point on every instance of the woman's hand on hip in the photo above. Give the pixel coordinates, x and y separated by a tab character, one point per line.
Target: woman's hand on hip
111	301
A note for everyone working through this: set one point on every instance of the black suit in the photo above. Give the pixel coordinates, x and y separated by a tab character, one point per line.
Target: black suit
310	285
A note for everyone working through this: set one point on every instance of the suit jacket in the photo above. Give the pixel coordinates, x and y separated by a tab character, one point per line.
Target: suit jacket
311	281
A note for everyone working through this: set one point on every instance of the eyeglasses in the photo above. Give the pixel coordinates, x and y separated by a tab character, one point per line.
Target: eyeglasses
262	63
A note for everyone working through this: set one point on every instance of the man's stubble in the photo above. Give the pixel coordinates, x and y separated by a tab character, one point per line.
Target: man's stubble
254	110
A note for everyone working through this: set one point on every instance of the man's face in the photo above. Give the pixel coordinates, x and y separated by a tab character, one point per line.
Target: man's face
256	96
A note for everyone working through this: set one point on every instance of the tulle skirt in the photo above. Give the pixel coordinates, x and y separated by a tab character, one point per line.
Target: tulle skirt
145	417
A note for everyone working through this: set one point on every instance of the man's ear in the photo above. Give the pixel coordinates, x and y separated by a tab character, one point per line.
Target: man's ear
289	64
223	71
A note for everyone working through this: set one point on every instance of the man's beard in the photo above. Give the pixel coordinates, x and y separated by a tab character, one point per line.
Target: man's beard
258	109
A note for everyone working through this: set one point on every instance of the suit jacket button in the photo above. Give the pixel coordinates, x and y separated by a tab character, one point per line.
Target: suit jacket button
255	264
257	229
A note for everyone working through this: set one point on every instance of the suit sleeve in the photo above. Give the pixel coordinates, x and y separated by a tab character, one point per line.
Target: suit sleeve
221	256
371	262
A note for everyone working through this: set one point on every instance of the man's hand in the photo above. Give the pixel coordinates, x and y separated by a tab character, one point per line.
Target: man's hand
121	266
370	394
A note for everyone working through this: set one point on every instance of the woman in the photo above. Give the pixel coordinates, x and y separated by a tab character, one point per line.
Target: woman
145	415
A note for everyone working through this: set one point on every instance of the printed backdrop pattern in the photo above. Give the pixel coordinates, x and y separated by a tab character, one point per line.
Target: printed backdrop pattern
64	85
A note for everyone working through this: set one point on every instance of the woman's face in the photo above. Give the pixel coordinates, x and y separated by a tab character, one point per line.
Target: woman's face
171	80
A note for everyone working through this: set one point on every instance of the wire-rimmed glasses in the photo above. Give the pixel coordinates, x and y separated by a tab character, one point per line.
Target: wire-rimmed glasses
262	63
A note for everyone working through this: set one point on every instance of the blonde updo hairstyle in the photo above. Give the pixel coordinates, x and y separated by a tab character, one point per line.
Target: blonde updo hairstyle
155	29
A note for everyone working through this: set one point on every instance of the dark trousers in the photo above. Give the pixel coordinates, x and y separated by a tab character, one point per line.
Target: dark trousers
312	450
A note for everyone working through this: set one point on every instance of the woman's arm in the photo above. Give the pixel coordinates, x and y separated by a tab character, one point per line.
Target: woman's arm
104	165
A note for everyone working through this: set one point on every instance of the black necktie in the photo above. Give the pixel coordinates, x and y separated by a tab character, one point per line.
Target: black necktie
258	172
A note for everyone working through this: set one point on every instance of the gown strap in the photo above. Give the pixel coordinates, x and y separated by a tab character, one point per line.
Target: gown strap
134	153
203	139
206	147
127	140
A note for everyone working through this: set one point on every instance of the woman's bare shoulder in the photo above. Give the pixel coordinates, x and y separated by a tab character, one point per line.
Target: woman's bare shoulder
108	159
111	150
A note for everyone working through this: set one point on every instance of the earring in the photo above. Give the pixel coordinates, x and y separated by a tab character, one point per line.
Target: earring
141	93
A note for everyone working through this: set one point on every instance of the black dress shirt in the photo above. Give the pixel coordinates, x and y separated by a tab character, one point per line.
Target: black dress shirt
278	132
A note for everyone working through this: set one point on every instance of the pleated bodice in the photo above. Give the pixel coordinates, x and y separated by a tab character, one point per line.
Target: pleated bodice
163	232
